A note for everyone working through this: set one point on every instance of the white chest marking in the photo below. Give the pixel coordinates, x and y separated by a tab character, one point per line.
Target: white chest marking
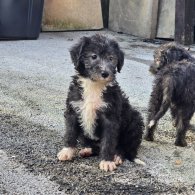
92	101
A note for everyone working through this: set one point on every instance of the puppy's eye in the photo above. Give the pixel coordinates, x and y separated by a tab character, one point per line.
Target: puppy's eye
94	56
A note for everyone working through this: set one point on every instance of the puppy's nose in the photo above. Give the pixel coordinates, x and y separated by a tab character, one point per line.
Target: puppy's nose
105	74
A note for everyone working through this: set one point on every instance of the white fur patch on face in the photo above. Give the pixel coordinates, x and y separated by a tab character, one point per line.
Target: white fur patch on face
91	103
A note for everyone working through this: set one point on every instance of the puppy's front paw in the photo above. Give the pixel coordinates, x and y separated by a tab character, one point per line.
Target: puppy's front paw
86	152
66	154
107	165
118	160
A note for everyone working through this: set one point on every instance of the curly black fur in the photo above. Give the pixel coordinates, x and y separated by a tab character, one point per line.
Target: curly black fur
118	127
174	88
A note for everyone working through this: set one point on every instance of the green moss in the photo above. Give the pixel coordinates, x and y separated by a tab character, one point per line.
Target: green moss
63	25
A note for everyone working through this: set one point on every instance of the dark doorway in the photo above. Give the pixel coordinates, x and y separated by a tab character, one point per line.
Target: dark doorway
184	21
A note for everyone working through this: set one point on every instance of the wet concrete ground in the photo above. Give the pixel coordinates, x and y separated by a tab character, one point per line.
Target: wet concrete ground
34	79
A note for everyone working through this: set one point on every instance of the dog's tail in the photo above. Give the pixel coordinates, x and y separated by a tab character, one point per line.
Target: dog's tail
167	96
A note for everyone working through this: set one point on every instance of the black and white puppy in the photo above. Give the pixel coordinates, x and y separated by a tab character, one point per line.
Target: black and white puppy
97	112
174	88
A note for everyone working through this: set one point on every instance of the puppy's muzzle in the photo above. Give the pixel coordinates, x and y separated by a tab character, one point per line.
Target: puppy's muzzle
105	74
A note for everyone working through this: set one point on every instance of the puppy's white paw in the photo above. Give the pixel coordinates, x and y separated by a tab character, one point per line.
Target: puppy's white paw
86	152
118	160
139	162
151	124
66	154
107	165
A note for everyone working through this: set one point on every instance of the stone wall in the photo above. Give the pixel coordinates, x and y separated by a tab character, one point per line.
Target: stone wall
143	18
136	17
166	19
72	15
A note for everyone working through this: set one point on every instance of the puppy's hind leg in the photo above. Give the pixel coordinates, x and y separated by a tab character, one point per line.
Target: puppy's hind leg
154	105
131	136
152	125
183	124
174	115
166	100
164	107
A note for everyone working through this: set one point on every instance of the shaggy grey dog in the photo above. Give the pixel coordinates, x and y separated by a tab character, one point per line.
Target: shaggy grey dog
174	88
97	111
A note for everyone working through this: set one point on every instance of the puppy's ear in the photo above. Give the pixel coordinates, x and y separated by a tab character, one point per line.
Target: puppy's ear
119	53
76	51
120	60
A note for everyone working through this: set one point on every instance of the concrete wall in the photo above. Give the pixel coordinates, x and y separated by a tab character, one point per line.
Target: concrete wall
144	18
136	17
166	19
72	15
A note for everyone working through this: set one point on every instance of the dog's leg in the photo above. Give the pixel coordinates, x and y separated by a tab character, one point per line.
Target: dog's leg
70	138
181	133
184	117
108	144
152	124
167	86
131	133
164	107
174	115
154	106
119	156
167	94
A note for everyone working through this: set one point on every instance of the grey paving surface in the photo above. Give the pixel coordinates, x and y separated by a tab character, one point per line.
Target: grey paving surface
34	78
15	179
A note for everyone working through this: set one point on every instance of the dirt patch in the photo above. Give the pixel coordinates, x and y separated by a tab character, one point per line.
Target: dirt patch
36	147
